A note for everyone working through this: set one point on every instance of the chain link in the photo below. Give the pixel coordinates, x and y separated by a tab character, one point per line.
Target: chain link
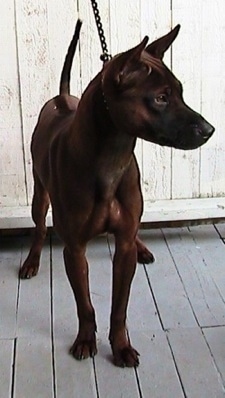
105	54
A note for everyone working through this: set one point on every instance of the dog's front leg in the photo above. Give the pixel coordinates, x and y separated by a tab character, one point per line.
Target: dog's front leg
77	271
124	265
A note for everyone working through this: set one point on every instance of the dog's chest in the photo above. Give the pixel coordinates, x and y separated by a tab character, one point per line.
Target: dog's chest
107	185
106	217
107	209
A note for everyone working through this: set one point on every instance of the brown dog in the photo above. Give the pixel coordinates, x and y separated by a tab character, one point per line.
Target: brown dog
84	163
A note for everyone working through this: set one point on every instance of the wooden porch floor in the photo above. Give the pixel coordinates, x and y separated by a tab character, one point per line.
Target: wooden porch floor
176	321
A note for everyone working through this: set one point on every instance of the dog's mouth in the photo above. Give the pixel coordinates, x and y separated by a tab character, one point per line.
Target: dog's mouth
196	136
165	141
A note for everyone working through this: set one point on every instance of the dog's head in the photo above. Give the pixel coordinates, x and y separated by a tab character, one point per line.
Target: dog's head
144	98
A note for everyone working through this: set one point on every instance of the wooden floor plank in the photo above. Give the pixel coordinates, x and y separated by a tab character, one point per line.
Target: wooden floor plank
198	373
113	382
221	229
73	378
202	291
100	277
6	362
157	373
10	258
172	302
212	251
142	311
215	338
33	368
34	300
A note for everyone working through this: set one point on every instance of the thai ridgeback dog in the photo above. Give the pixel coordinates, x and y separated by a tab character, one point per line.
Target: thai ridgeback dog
84	164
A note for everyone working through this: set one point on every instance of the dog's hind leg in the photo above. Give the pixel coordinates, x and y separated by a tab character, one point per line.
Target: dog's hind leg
144	256
40	205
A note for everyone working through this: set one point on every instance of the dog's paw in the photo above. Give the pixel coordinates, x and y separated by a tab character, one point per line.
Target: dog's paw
126	357
144	256
28	270
84	349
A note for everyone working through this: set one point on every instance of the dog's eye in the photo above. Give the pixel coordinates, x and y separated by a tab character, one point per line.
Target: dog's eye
161	99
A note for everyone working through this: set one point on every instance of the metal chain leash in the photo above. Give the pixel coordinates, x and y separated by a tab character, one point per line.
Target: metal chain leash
105	54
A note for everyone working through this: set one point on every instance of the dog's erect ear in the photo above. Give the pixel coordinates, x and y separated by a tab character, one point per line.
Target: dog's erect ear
158	47
135	52
127	61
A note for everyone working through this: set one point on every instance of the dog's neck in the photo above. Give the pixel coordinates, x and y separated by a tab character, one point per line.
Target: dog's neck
103	95
95	120
100	140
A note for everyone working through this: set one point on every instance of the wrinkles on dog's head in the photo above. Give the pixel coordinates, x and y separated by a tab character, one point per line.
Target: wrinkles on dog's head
154	64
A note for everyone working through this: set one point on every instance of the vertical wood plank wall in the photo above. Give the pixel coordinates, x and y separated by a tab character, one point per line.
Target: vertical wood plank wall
34	39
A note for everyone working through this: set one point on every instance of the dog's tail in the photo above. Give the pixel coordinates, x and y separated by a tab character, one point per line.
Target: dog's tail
64	87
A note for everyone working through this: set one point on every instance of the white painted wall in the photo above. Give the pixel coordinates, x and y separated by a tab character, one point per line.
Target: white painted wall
34	38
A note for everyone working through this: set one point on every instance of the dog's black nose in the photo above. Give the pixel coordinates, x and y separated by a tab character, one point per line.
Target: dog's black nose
204	129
